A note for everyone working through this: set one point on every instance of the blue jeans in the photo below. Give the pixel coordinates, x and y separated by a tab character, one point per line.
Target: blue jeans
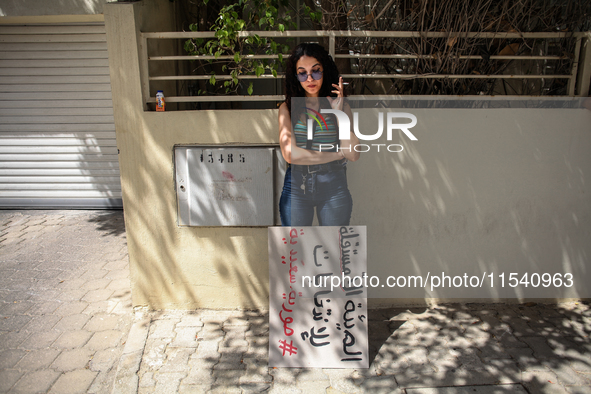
325	191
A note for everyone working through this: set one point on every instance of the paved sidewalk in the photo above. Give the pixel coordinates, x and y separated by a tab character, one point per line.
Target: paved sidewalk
445	349
65	303
66	325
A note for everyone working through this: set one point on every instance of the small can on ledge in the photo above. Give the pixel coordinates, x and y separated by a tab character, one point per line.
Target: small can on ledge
160	102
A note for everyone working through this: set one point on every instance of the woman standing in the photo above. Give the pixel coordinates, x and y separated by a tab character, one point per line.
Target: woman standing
316	179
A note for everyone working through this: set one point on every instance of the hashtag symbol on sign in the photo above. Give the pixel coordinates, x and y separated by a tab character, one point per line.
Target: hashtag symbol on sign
287	347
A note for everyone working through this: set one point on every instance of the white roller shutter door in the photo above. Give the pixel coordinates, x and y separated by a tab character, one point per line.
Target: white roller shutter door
57	133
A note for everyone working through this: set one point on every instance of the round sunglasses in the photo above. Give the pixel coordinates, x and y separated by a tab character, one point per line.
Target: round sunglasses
303	76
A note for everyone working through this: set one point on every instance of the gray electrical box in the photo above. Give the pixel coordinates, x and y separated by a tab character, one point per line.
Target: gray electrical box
229	186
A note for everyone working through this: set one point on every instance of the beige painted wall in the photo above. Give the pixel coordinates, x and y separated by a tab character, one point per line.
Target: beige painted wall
467	196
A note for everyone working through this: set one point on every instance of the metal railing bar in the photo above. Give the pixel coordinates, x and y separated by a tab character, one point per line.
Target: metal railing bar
356	56
207	77
211	57
454	76
374	76
225	98
467	57
377	34
197	99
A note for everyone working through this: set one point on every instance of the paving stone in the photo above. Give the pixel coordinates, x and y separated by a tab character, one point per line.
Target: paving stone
9	358
72	339
191	320
342	380
96	284
40	340
37	359
100	307
103	360
154	356
254	388
72	322
207	349
70	360
117	284
380	385
496	389
97	295
443	378
102	322
176	359
168	382
542	382
8	377
284	376
103	383
13	323
116	265
15	308
37	381
147	380
230	361
74	382
507	340
71	308
566	375
71	295
41	323
163	328
104	339
540	346
282	388
199	377
185	337
506	371
12	339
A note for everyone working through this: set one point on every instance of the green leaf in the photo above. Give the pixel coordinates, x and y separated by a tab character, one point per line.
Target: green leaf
280	56
259	70
281	27
212	80
274	73
250	89
237	57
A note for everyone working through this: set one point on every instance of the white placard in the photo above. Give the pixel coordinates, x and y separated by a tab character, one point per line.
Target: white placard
318	298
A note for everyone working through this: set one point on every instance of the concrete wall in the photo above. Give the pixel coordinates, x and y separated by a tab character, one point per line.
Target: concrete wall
172	266
504	190
14	8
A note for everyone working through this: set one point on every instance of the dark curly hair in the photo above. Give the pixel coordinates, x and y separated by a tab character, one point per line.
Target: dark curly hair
293	87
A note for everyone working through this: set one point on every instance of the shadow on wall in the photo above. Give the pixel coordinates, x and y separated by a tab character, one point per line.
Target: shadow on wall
481	191
183	267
